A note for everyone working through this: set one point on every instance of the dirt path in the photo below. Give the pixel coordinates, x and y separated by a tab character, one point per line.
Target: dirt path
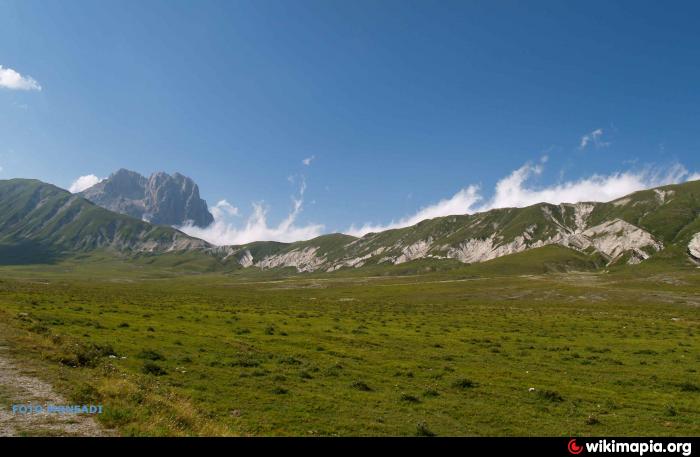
17	387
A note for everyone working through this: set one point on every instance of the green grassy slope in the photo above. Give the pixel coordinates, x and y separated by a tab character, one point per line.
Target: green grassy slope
673	218
547	259
669	213
39	222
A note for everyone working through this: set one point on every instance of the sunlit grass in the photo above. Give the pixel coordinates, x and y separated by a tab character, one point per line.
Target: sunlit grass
444	354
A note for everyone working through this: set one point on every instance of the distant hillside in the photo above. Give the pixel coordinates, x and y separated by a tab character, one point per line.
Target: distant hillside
39	220
628	230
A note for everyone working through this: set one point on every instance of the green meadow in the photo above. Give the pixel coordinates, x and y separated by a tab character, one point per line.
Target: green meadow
420	351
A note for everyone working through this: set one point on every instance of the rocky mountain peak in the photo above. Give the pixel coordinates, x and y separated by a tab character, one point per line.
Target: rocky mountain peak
125	183
161	198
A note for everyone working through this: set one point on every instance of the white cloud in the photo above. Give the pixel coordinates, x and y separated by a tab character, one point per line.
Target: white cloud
11	79
514	191
694	177
593	138
460	203
83	183
224	232
307	161
222	209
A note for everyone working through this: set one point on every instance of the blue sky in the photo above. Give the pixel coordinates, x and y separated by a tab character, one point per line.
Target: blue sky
403	105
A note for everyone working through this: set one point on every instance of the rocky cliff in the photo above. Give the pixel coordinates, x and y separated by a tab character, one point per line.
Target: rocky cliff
161	199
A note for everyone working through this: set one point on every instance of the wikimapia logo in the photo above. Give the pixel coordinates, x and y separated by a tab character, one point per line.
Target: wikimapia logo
574	448
630	447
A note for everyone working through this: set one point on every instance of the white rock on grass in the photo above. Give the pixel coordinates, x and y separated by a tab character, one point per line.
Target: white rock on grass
694	246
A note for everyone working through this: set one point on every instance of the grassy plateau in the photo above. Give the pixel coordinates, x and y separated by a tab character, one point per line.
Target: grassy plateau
479	350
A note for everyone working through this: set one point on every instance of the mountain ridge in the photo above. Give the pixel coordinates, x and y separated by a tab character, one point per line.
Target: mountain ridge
52	219
630	229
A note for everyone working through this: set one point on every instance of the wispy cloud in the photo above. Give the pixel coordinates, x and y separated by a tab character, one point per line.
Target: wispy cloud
83	182
307	161
11	79
224	231
594	138
515	190
459	203
222	209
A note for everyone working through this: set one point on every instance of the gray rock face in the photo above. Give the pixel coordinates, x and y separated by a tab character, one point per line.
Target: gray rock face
160	199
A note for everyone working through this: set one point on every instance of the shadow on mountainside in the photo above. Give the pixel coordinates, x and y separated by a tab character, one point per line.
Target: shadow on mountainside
27	252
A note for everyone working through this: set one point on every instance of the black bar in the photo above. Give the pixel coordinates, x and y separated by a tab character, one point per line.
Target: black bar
433	447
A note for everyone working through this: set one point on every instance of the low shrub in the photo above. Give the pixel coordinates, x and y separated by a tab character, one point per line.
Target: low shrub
410	398
360	385
85	355
464	383
153	368
550	395
150	354
423	430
